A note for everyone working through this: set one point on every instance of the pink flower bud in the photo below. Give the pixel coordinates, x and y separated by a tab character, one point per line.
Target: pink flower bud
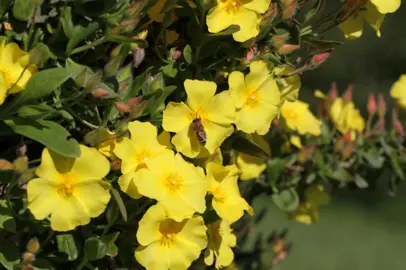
134	101
287	48
333	94
176	55
397	124
99	93
275	123
115	165
319	59
139	56
381	105
372	104
348	93
122	107
250	54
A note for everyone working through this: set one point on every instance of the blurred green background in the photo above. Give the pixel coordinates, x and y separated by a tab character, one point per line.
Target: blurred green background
360	230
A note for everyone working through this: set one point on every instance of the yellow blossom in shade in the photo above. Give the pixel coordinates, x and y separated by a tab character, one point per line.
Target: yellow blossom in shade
373	12
306	213
167	244
250	166
290	85
164	138
135	152
104	140
216	114
221	242
13	77
223	185
256	98
299	118
177	185
296	141
346	117
70	190
203	159
398	91
244	13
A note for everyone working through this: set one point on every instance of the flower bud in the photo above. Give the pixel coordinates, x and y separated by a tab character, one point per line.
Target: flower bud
347	151
100	93
289	8
372	104
381	106
250	54
319	59
139	56
287	48
280	39
142	34
6	165
397	124
122	107
333	94
347	136
271	13
348	93
28	257
115	165
176	54
33	245
8	26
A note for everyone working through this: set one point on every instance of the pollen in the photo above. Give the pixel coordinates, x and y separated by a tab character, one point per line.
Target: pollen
220	195
65	186
251	99
143	155
232	6
173	182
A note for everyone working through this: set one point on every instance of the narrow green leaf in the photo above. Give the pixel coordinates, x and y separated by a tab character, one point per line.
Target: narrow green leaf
49	133
4	5
23	10
66	244
95	249
79	33
120	203
9	256
7	221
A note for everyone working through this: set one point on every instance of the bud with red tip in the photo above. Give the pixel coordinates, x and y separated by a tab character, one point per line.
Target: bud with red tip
348	136
381	105
126	107
176	55
287	48
319	59
348	93
100	93
397	124
115	165
250	54
139	56
333	94
289	8
372	106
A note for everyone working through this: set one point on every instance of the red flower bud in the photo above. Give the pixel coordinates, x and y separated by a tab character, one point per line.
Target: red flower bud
134	101
275	123
250	54
381	105
289	8
372	104
99	93
122	107
333	94
287	48
347	136
348	93
397	124
115	165
319	59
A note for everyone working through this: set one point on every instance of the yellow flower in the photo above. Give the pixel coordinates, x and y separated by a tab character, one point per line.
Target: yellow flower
256	98
203	159
346	117
179	186
296	141
299	118
221	240
398	91
223	185
13	78
167	244
306	213
216	113
135	152
244	13
71	190
251	166
373	12
104	140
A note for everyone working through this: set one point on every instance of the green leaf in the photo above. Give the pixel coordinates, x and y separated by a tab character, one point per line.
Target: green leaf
187	54
79	33
66	20
95	249
156	103
275	168
66	244
23	10
40	55
40	85
49	133
9	255
375	160
360	181
109	239
4	4
341	175
39	111
43	264
6	176
7	221
287	200
396	166
120	203
169	70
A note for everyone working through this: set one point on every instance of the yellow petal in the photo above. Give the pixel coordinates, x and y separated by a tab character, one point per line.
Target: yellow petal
249	24
319	94
199	93
258	6
216	134
91	165
353	26
259	73
70	214
128	184
386	6
186	142
52	165
218	19
148	228
250	166
296	141
3	88
147	256
176	117
150	185
94	196
42	197
194	233
221	109
374	17
10	54
164	139
125	150
237	86
263	114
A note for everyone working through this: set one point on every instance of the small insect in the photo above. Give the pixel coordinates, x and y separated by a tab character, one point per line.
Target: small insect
198	128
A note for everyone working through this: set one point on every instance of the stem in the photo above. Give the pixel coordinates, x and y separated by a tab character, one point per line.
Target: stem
82	263
83	121
95	43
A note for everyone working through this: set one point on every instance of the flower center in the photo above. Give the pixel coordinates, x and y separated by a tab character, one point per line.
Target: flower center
290	114
65	186
142	156
252	99
232	6
220	195
173	182
168	229
7	76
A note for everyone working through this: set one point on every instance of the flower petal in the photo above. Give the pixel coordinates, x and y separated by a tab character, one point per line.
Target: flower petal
93	196
142	132
42	197
128	184
249	24
386	6
193	233
52	165
3	88
353	26
150	185
148	228
186	142
125	150
70	214
258	6
218	19
374	17
263	114
237	87
90	165
221	109
199	93
259	73
176	117
250	166
147	256
216	134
